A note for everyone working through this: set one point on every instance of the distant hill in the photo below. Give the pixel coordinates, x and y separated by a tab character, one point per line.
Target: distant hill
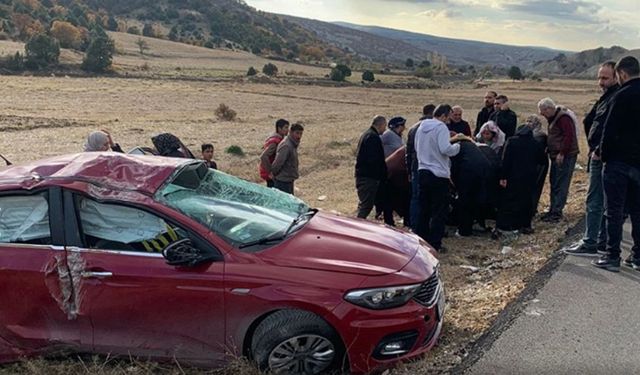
463	52
582	64
208	23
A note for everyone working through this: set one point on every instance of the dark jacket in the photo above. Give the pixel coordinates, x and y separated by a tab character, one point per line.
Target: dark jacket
370	156
594	121
562	138
621	134
506	121
411	158
470	161
522	154
483	116
460	127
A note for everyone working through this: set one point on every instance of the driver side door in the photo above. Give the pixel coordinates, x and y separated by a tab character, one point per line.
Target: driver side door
138	304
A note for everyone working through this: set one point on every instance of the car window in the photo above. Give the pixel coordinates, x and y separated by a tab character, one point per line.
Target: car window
115	227
25	219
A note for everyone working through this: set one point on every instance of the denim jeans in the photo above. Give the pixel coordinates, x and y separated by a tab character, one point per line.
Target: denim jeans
414	204
560	179
595	234
622	190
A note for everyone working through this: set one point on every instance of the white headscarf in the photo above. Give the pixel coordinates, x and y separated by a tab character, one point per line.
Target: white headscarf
498	137
96	141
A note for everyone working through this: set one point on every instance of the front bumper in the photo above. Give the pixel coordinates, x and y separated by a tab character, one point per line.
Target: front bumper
365	332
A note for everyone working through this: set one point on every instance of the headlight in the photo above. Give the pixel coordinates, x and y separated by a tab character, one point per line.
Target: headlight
382	298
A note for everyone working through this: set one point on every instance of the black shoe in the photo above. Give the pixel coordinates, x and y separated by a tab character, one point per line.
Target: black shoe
632	261
602	251
582	251
552	218
607	263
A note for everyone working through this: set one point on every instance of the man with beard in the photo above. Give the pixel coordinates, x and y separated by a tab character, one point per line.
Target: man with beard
486	111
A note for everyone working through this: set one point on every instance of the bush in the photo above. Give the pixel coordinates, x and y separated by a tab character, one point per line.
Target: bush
235	150
99	54
270	69
148	30
15	62
424	72
142	45
251	72
68	35
42	51
225	113
368	76
515	73
336	75
133	30
409	63
346	71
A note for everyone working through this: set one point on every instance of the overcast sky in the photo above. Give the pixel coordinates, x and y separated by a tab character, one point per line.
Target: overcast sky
572	25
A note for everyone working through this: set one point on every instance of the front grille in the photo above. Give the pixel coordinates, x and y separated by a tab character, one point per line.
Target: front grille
428	291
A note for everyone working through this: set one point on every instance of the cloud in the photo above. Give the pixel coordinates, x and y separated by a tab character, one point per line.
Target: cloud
440	14
570	10
418	1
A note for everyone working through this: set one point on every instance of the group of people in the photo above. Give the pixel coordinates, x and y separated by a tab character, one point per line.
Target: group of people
613	134
165	144
456	176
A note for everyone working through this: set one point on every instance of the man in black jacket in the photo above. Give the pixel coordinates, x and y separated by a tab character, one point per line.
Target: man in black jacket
371	168
486	111
411	161
620	153
595	234
504	117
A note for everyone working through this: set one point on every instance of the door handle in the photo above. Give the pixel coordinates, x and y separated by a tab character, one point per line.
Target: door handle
95	275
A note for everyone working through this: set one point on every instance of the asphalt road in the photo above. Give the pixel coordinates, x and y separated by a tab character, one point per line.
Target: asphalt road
582	321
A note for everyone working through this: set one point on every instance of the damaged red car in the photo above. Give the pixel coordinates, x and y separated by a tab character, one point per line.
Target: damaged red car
165	259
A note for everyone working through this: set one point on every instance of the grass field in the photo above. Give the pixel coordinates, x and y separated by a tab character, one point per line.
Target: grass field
44	116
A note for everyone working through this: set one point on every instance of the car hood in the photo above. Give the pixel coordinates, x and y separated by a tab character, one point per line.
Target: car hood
334	243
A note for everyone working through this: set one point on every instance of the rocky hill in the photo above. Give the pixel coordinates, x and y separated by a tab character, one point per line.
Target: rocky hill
582	64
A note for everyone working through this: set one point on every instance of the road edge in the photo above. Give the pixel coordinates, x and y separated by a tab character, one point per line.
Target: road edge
506	318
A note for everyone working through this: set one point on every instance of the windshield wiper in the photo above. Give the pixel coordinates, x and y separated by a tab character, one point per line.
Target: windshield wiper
280	235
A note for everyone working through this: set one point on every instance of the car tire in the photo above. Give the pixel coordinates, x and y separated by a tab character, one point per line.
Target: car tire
296	342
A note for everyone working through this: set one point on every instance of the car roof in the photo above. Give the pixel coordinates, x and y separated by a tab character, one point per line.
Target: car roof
116	171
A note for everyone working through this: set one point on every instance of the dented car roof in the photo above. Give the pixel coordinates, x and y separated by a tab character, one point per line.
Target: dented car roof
117	171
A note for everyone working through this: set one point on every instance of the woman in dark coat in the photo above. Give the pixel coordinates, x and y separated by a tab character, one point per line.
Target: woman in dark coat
518	176
543	167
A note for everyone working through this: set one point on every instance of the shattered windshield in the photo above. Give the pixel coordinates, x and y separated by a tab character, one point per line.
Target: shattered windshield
239	211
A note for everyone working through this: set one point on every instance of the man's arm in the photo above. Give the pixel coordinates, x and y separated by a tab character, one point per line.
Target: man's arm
444	143
568	134
265	157
588	120
282	154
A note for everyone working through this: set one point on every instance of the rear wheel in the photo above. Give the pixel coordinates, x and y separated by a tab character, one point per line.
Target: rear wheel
296	342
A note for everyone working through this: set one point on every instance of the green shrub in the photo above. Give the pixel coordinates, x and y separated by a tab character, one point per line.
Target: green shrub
270	69
515	73
336	75
133	30
346	71
424	72
42	51
368	76
235	150
99	54
251	72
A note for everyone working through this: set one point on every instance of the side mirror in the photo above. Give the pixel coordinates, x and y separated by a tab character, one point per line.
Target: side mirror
183	253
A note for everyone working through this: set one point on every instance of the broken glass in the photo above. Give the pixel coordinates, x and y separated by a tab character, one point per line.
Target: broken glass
237	210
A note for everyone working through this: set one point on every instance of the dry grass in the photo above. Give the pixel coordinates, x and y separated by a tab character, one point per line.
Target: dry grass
48	116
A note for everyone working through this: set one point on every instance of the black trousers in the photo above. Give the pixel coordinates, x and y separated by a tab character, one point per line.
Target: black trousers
622	190
434	202
471	196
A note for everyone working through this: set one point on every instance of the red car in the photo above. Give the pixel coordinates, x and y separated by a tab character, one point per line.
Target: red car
166	259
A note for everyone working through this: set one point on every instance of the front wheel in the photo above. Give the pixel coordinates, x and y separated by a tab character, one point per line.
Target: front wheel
296	342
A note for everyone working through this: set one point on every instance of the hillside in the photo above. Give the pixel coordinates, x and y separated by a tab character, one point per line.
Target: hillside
209	23
464	52
582	64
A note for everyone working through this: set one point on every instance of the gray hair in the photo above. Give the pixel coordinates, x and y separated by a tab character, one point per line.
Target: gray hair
546	103
96	141
378	120
456	107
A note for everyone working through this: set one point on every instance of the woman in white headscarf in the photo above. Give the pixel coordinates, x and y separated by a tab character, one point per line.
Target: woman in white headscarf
100	141
491	135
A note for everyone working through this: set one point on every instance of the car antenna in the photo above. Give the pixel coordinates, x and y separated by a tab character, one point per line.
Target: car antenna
5	160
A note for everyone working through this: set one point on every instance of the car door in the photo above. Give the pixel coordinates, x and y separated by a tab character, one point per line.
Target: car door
38	309
138	304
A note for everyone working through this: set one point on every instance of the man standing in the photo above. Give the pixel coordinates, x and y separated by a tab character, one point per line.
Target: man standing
392	137
269	150
457	124
504	117
371	168
562	146
486	111
595	234
434	149
411	161
620	153
285	165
